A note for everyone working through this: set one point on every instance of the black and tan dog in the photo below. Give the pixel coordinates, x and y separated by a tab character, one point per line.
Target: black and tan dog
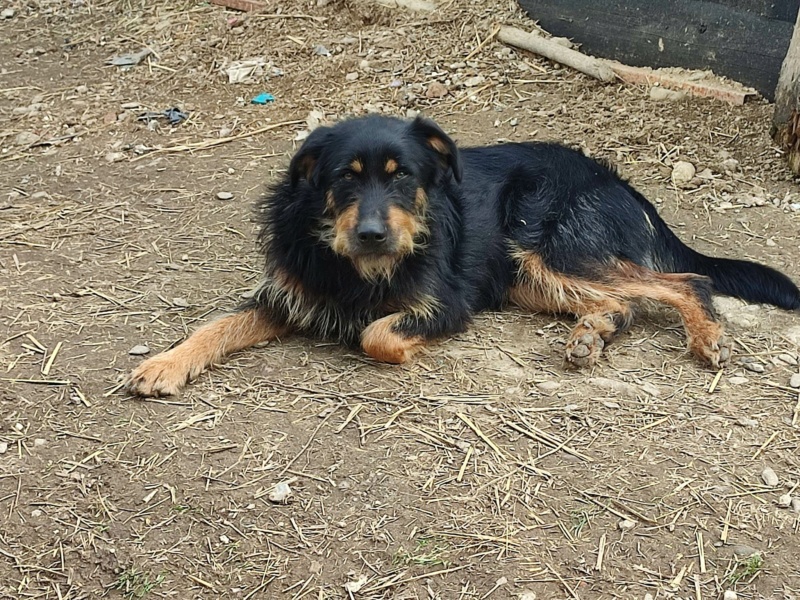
384	234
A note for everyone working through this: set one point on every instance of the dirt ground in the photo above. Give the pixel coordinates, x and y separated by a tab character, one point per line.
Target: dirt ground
483	469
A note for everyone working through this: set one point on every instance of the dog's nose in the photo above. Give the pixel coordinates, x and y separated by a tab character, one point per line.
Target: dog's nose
371	232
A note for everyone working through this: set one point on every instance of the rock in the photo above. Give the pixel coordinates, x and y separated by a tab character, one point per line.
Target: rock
626	524
770	243
742	551
3	447
526	595
617	387
737	312
180	302
796	505
474	81
738	380
39	442
113	157
140	350
730	595
26	138
730	165
745	422
7	13
794	381
353	587
351	76
788	359
436	90
224	196
785	501
769	477
548	387
793	334
280	494
682	174
660	94
755	367
322	50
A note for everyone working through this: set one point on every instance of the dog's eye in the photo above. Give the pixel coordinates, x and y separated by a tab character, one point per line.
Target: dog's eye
348	175
400	174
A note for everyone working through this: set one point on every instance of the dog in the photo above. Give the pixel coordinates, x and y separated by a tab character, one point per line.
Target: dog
384	234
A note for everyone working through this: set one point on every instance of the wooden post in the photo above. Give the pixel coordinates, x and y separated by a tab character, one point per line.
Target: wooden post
786	119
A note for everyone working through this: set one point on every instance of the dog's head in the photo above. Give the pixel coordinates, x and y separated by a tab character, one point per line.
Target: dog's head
374	174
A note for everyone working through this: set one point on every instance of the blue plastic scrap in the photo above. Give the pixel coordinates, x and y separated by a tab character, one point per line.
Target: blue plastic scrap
263	98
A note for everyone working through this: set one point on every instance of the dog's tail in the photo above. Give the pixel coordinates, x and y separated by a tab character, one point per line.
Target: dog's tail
743	279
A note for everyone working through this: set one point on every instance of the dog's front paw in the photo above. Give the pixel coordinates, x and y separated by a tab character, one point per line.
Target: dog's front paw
162	375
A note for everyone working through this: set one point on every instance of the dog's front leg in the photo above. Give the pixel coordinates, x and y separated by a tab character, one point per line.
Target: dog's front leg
395	338
166	373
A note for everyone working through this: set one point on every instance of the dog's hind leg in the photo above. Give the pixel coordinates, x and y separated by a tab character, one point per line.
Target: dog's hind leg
690	295
602	311
603	304
166	373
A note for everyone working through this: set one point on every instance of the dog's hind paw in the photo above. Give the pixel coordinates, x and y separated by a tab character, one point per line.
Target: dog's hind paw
714	352
583	349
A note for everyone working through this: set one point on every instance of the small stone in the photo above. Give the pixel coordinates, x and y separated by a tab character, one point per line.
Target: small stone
353	587
57	297
514	122
738	380
36	513
548	387
626	524
26	138
38	442
364	65
745	422
130	105
660	94
3	447
224	539
280	494
321	50
527	596
474	81
7	13
785	501
351	76
771	243
730	595
742	551
794	381
139	350
224	196
755	367
436	90
730	165
769	477
796	505
180	302
788	359
113	157
683	173
608	404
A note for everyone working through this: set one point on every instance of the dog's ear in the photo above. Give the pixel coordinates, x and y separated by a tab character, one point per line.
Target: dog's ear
432	136
305	163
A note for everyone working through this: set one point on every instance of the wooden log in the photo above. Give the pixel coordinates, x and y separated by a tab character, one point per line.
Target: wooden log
556	52
705	89
786	118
